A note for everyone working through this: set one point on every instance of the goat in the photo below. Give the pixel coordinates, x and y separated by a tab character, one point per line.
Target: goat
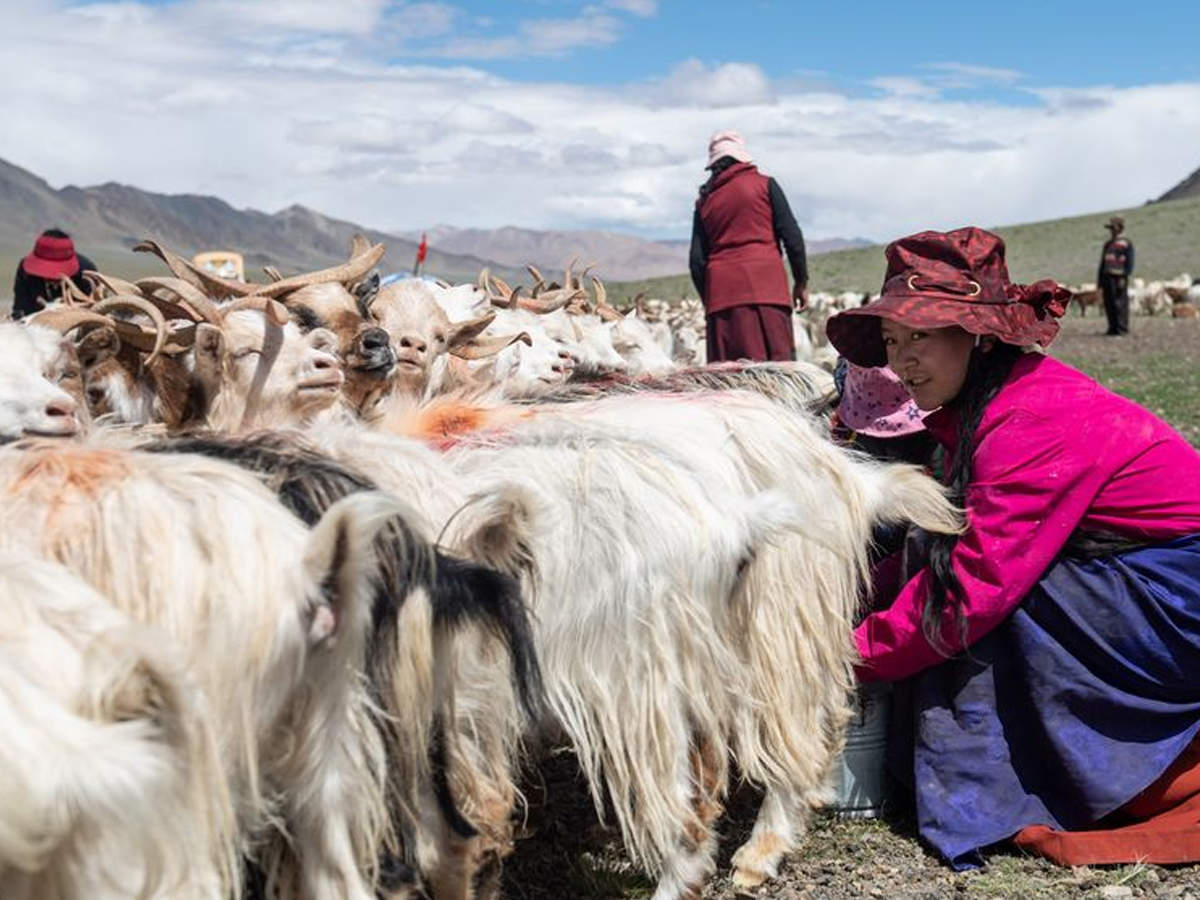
635	597
794	637
423	601
805	587
271	619
109	777
801	387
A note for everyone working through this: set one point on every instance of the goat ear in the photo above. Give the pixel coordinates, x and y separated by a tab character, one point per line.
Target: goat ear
462	332
97	346
496	529
207	352
209	346
340	556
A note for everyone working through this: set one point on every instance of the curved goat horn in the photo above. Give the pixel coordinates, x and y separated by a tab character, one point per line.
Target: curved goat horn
499	293
601	293
142	305
71	294
111	283
347	272
194	298
275	311
483	347
65	319
272	273
583	275
547	302
193	274
359	244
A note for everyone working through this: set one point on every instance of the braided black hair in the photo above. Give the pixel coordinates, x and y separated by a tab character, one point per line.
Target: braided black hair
987	371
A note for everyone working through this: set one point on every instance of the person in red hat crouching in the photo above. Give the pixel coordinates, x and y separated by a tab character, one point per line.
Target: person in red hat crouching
38	274
1046	657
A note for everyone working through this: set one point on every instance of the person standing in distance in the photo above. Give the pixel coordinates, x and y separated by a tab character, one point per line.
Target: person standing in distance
741	218
37	279
1116	265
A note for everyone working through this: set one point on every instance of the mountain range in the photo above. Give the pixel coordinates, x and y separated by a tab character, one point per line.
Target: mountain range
628	256
1189	187
107	219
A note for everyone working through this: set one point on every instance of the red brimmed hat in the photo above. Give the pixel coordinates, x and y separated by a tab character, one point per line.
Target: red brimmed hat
935	279
51	257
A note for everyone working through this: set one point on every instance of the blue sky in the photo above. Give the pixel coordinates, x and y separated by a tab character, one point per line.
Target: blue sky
877	118
849	43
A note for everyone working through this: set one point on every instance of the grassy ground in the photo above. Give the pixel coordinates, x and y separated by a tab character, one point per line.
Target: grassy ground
1158	365
1165	235
568	855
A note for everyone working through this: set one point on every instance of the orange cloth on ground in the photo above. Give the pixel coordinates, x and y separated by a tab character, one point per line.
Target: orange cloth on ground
1161	825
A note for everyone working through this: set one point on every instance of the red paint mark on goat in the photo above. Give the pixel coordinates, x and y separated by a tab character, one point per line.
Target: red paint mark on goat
446	424
66	481
61	469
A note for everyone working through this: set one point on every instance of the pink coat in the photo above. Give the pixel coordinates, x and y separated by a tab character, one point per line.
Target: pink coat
1055	452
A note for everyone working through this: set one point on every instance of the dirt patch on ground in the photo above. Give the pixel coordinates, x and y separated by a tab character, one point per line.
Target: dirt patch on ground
568	855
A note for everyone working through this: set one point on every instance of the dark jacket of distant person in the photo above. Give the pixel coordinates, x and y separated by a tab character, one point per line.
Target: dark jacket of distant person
38	273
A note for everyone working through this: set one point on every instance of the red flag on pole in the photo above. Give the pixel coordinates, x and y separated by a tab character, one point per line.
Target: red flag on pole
422	249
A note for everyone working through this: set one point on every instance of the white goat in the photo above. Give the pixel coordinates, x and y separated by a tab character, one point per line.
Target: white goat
633	565
39	383
110	785
804	588
271	618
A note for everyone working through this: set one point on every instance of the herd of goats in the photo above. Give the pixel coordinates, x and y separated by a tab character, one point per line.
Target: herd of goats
299	576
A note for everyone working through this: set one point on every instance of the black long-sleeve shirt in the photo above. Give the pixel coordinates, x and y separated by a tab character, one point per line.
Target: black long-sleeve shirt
787	232
30	292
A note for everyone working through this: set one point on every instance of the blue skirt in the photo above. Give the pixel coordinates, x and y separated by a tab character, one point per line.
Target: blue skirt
1069	709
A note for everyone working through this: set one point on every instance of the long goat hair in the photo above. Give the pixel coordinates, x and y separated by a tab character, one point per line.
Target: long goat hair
806	586
309	482
456	593
798	386
272	620
638	572
110	785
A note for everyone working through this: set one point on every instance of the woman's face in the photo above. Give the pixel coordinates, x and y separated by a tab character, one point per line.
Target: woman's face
932	363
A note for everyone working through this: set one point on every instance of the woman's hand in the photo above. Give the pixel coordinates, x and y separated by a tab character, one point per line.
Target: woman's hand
800	296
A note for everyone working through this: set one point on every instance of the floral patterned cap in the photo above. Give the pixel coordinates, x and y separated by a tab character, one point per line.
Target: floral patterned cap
875	403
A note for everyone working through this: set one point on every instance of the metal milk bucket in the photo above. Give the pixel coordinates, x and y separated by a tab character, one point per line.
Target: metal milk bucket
858	779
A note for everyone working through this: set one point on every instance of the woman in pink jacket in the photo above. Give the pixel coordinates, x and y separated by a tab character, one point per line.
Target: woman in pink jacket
1051	652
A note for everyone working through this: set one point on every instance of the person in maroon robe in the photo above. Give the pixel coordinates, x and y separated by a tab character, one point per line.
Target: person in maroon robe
741	219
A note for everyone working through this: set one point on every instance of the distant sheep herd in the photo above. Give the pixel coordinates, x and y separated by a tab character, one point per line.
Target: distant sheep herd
298	576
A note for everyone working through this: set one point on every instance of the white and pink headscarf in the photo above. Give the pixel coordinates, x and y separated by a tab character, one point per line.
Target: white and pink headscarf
727	143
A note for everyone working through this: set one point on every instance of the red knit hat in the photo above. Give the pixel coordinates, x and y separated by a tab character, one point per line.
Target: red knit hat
935	279
51	257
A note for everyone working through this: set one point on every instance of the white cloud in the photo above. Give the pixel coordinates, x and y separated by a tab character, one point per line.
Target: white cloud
644	8
322	118
968	73
693	83
537	38
903	86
